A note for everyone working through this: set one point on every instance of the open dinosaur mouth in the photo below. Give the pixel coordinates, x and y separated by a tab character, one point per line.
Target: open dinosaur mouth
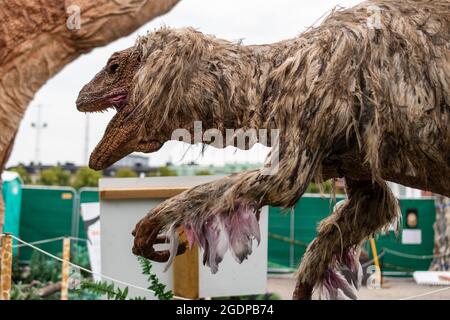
116	100
122	133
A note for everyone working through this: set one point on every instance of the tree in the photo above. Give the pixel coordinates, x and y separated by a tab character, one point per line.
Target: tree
203	172
126	173
315	188
166	172
86	177
23	173
55	176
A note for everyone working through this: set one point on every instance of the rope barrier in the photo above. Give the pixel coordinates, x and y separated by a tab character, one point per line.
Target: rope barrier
370	262
288	240
387	250
33	246
425	294
85	269
49	240
412	256
78	239
39	242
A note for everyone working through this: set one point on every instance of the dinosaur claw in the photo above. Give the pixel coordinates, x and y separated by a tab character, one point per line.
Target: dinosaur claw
158	256
146	235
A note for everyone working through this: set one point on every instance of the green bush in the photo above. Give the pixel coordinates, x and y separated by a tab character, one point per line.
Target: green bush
126	173
112	292
86	177
24	175
55	176
203	172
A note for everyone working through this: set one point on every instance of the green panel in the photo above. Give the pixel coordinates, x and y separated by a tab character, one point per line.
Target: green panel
12	195
89	195
310	210
46	213
279	221
86	195
426	213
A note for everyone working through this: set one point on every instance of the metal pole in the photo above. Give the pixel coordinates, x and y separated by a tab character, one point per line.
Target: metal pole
86	140
38	125
292	236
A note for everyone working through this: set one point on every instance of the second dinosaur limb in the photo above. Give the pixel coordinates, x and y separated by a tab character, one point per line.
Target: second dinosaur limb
370	207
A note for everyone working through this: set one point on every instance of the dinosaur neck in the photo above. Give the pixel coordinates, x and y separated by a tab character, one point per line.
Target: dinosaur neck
230	87
188	77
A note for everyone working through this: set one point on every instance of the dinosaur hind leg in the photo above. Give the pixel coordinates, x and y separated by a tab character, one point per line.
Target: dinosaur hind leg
370	207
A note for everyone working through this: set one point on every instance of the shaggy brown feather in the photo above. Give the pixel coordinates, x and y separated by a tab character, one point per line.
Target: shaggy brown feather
368	104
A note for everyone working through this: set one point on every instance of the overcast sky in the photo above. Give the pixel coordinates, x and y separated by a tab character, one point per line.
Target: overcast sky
253	21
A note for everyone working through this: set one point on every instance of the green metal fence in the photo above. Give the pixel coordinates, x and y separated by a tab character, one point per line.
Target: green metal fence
400	258
49	212
291	231
297	227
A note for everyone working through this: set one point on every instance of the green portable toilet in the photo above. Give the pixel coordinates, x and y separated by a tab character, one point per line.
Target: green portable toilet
47	213
12	195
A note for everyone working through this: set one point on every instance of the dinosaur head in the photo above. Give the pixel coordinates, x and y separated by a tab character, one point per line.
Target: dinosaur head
167	81
111	88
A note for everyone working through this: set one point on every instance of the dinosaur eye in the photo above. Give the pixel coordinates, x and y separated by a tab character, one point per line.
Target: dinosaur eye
113	68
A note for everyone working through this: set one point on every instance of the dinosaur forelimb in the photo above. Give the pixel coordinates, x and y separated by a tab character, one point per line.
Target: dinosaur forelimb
224	214
223	223
370	207
232	228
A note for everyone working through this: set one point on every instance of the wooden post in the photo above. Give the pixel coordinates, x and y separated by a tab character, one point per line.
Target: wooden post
6	267
185	273
2	206
65	269
375	260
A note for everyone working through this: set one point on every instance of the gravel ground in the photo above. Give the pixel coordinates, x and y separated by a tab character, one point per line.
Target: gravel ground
393	289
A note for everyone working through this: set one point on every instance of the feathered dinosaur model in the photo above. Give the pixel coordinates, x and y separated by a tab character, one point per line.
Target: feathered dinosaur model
364	96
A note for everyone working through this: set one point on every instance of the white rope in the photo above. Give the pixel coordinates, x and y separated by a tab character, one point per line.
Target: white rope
425	294
78	239
32	245
412	256
370	262
49	240
85	269
39	242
